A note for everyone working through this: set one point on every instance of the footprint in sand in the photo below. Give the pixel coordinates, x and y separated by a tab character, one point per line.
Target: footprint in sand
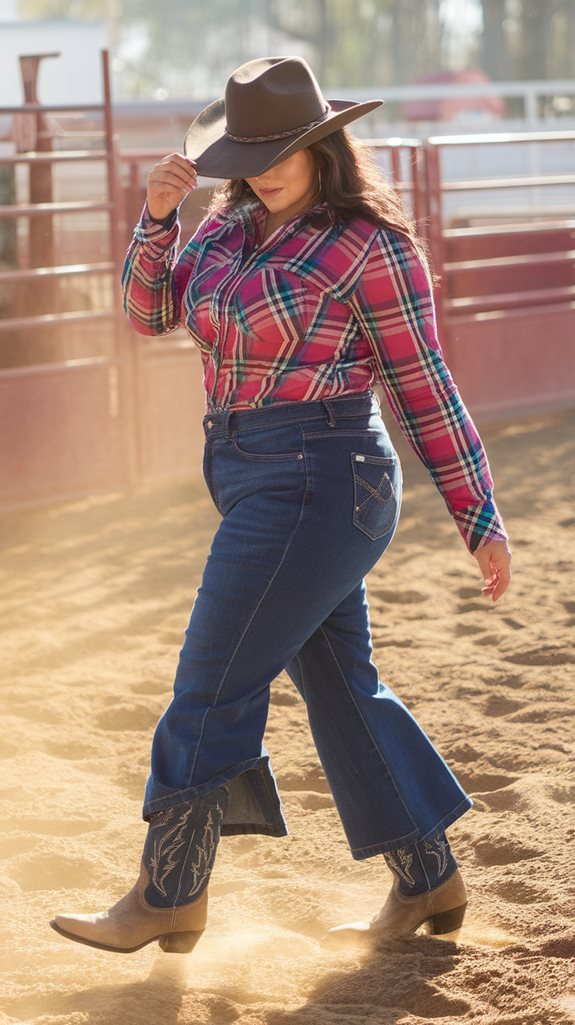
70	750
473	606
520	892
35	712
467	629
547	655
515	682
471	600
284	697
150	687
484	782
127	717
488	640
513	623
563	794
311	780
498	705
316	802
51	871
503	852
561	947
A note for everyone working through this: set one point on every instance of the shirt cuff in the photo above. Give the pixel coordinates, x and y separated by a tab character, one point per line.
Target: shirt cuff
479	524
157	235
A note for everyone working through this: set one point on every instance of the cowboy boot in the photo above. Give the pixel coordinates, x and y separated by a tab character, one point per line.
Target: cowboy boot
427	890
169	901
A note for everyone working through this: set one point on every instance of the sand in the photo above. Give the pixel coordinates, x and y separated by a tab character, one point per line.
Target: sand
95	599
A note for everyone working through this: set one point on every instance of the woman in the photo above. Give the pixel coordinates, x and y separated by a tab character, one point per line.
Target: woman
303	284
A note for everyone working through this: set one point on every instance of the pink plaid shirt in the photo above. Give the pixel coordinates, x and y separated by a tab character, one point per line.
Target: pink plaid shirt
312	313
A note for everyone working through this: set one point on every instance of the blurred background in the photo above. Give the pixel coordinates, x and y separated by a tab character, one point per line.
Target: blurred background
477	133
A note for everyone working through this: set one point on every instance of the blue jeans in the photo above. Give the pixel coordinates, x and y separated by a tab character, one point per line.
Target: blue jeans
309	494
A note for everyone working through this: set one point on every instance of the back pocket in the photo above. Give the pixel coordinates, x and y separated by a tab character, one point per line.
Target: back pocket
376	483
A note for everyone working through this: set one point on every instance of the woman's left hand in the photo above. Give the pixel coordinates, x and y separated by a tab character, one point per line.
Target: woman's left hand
494	560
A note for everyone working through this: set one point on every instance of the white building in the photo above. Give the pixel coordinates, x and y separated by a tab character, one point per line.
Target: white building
74	75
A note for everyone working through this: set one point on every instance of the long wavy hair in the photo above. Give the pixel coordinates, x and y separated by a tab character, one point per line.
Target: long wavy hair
351	184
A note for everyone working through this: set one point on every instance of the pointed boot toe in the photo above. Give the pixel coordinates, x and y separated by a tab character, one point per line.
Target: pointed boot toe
133	922
440	910
169	902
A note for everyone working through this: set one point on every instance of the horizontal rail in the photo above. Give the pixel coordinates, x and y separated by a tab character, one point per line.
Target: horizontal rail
527	299
38	209
500	138
55	157
34	273
465	316
394	142
533	227
59	366
54	108
533	181
53	319
517	260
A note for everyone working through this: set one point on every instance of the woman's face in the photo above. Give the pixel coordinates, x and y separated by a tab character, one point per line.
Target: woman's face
287	188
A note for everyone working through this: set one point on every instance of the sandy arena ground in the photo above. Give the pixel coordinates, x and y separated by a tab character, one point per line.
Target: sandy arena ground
96	595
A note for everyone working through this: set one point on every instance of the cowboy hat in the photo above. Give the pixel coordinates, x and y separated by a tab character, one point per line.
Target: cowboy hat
273	107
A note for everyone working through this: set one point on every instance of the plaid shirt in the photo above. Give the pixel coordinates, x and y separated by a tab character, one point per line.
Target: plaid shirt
312	313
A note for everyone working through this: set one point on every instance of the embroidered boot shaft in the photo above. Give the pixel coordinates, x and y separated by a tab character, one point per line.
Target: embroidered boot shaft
422	866
427	891
180	850
170	898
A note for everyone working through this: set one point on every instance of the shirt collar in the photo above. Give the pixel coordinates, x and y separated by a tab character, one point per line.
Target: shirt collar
254	215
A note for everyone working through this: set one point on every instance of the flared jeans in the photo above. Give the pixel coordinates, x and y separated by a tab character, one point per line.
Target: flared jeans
309	494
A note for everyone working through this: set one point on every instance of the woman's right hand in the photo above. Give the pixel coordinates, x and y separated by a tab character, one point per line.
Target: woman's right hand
168	184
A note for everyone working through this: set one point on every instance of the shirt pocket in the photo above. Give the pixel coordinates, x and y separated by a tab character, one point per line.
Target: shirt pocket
274	310
377	493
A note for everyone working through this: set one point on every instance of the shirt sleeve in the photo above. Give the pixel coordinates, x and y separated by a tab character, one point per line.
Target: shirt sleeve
393	303
153	280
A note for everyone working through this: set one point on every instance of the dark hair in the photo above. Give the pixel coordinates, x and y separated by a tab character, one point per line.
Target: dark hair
352	185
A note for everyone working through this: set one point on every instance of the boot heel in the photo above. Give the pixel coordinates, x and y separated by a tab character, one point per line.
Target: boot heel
447	921
180	942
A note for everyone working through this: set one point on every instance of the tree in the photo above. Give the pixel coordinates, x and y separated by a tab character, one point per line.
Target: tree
495	51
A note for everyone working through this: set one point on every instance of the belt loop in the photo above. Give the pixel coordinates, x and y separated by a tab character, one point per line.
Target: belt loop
227	425
330	414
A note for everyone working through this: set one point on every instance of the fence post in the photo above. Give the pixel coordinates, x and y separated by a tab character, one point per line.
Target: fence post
432	159
125	371
41	228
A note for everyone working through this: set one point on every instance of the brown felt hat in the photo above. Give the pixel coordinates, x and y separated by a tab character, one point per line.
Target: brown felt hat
272	108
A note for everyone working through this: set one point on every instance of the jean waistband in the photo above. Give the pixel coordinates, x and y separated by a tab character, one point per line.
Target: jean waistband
343	407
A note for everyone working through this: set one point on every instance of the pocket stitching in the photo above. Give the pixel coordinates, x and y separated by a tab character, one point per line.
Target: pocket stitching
375	492
357	479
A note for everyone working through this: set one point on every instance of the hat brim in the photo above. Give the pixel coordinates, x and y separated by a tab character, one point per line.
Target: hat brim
218	156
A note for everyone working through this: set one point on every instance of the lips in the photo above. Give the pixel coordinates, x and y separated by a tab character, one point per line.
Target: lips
269	192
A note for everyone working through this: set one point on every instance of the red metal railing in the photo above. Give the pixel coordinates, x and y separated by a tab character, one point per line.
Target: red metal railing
62	427
506	286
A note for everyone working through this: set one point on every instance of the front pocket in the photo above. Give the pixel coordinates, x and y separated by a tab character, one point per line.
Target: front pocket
270	443
375	504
